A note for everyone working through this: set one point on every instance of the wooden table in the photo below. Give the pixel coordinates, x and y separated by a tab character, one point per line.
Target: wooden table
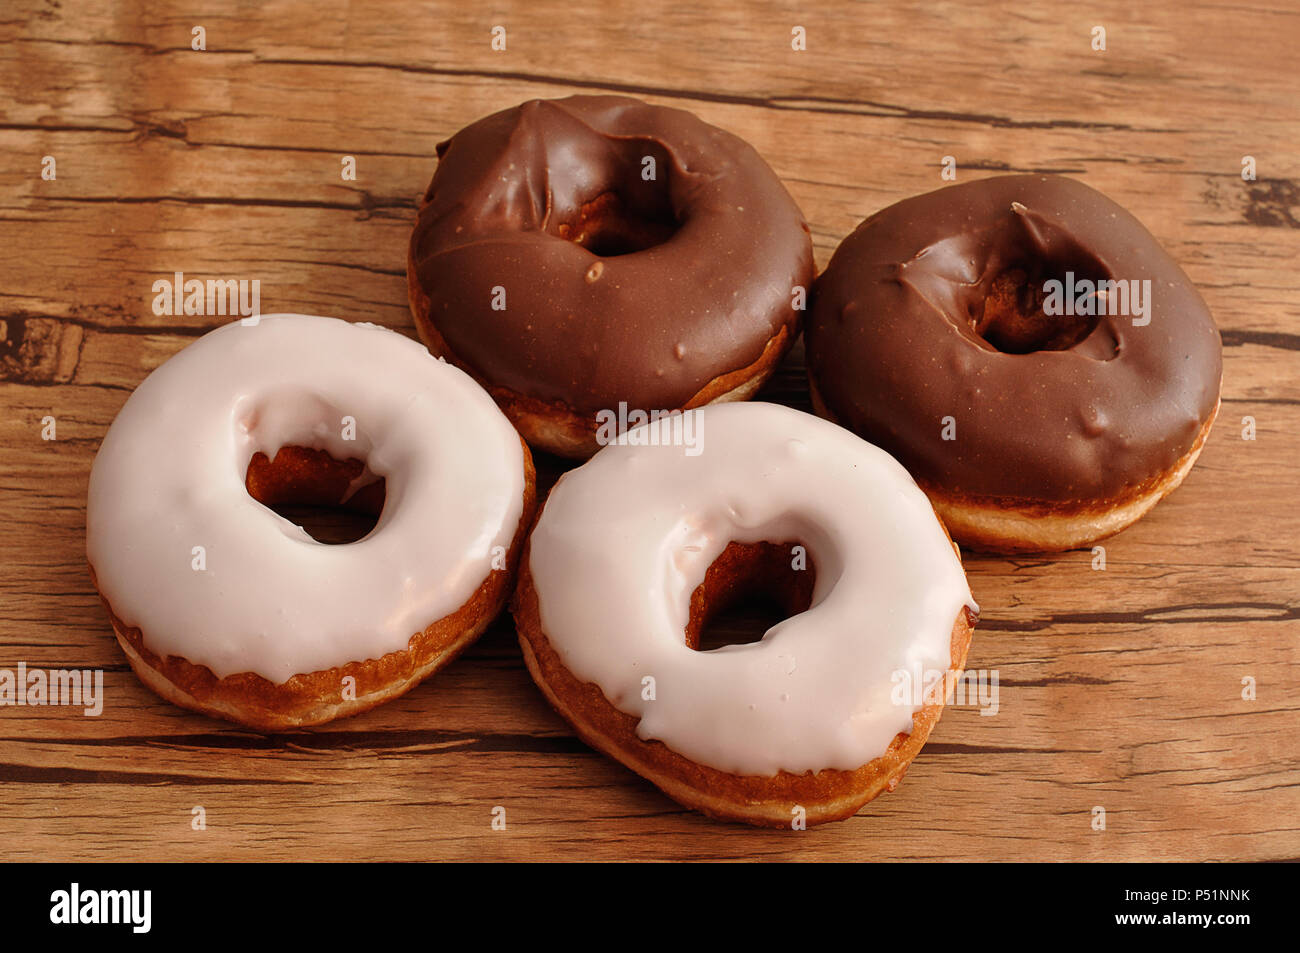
1119	688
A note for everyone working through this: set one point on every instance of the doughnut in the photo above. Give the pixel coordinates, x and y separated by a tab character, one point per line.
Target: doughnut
1025	347
225	607
596	256
635	550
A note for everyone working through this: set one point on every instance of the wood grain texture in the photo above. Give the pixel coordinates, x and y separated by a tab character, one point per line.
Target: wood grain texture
1119	688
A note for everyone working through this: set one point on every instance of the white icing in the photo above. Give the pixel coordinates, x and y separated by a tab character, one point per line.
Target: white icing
625	539
169	476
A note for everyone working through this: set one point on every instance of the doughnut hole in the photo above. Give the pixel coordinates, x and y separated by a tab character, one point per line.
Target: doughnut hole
305	486
607	228
1010	316
631	212
748	589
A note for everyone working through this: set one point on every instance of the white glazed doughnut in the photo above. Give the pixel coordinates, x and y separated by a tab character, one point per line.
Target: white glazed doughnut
633	550
263	624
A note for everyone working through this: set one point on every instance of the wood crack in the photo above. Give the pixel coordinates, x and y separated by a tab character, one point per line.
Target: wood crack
1190	613
813	104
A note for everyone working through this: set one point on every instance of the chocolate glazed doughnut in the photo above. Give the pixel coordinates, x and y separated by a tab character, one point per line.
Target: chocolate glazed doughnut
1027	350
579	253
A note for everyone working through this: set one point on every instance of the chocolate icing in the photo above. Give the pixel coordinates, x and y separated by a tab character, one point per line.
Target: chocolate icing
893	348
511	193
